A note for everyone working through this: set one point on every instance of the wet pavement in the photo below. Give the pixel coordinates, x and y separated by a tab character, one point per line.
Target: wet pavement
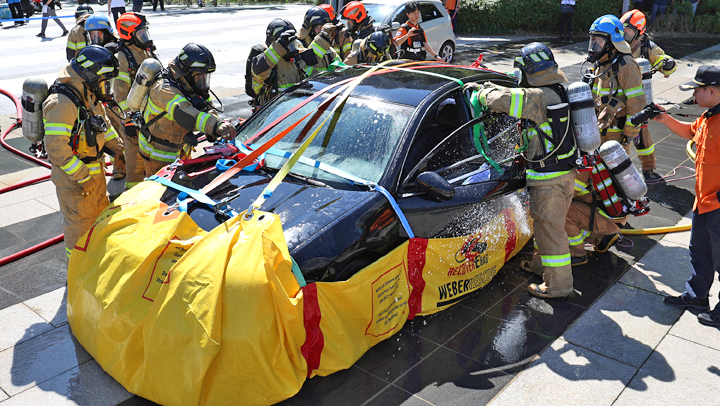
614	338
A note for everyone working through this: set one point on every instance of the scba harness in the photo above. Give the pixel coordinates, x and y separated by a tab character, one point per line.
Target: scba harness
559	149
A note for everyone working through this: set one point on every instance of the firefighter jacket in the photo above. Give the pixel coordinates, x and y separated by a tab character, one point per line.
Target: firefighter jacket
321	47
77	39
365	28
271	72
532	103
60	116
342	42
363	55
653	53
618	94
170	98
125	78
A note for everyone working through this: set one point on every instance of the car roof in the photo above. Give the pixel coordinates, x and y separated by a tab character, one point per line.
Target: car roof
409	87
395	2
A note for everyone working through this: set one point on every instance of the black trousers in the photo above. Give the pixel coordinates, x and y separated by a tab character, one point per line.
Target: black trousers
155	4
566	24
16	11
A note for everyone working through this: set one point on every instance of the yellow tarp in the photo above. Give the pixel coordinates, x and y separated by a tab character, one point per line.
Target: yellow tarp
181	316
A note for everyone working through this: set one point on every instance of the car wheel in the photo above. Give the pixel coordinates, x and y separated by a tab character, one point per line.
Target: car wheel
447	51
352	268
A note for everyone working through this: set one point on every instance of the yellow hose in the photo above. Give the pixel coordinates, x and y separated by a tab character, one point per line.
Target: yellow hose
689	150
656	230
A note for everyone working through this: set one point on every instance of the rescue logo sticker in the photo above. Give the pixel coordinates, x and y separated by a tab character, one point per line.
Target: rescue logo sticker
389	301
160	275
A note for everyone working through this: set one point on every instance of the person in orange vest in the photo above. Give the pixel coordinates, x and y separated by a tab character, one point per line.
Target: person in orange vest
411	37
452	7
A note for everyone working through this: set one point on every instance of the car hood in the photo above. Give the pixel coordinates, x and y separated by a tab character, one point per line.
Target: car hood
303	209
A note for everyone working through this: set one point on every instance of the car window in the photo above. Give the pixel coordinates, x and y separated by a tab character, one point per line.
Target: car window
378	11
361	142
400	16
457	159
429	12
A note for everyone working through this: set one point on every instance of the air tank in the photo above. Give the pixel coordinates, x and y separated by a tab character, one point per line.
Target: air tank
144	78
623	171
34	93
582	110
646	71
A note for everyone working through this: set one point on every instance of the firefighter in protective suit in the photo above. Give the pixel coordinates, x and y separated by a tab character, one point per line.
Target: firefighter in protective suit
635	24
134	47
76	135
178	104
77	39
342	40
617	81
605	228
372	49
317	34
285	61
551	154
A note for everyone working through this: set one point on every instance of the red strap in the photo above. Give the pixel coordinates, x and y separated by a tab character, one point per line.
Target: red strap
416	264
314	339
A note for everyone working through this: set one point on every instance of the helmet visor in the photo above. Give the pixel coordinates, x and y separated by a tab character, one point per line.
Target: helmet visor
348	24
630	34
379	51
98	37
104	89
597	44
201	82
142	36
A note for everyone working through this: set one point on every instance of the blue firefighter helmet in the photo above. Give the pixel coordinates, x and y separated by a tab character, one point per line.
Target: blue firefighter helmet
604	31
533	58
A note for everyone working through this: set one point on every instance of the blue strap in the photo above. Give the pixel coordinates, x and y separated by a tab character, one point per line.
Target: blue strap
395	207
185	191
298	275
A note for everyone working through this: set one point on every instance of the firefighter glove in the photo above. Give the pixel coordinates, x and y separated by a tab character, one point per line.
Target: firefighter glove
286	38
668	64
225	130
131	131
328	30
470	87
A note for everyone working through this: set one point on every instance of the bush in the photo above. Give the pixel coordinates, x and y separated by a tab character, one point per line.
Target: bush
528	16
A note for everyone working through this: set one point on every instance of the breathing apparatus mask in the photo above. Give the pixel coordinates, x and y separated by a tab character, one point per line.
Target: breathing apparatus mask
142	38
200	82
599	46
103	89
349	24
99	37
631	34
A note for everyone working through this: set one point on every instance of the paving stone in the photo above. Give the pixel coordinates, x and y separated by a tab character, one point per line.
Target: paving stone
51	306
567	375
664	269
27	193
36	280
679	372
47	226
449	378
625	324
352	386
392	395
86	384
19	324
23	211
50	201
681	238
690	329
440	327
8	239
391	358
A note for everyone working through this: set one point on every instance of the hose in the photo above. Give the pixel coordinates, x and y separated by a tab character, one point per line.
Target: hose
689	150
657	230
16	124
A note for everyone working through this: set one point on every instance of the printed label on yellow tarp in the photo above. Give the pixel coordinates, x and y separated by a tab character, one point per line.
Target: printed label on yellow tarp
389	302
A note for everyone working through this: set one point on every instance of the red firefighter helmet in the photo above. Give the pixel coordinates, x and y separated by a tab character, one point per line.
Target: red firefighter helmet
330	10
354	11
635	18
134	26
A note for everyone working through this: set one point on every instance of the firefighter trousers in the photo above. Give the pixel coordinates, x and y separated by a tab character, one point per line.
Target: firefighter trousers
118	160
549	205
134	162
645	149
577	227
79	212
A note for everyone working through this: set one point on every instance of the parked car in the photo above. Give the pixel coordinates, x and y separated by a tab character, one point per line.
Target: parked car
434	19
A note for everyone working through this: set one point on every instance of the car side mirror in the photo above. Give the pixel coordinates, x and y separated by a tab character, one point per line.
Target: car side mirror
395	25
435	185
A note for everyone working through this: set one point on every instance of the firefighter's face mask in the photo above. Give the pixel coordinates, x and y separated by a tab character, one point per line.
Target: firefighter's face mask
631	34
599	45
142	37
98	37
200	82
378	51
349	24
104	89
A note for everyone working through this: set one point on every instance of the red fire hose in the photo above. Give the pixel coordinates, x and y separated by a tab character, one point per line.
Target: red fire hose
18	123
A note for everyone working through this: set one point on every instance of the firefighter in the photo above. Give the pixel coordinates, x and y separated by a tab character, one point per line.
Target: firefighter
178	104
77	39
77	132
99	30
605	228
284	62
551	154
358	23
317	33
411	37
617	81
341	40
134	46
641	46
373	49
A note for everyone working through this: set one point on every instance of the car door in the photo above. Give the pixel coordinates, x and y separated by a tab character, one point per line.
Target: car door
458	162
431	20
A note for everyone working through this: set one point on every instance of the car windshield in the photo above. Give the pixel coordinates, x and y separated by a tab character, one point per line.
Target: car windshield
360	143
378	11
